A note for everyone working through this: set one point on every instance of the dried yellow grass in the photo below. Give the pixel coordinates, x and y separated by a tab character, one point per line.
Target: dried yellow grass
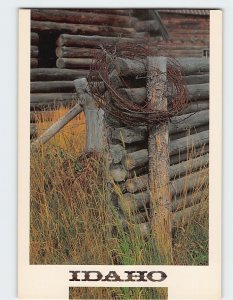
72	219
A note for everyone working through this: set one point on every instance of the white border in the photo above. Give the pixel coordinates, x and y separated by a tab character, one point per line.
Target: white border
51	281
8	150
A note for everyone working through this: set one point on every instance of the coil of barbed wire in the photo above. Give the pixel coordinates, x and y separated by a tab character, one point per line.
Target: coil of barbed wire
108	97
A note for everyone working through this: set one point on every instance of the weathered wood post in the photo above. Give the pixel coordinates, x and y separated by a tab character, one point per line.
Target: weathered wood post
96	138
159	160
94	117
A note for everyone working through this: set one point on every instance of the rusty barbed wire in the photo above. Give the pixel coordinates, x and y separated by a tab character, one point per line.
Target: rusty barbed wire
108	95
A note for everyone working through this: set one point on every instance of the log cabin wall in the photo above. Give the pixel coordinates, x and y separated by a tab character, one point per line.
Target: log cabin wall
64	43
188	32
188	147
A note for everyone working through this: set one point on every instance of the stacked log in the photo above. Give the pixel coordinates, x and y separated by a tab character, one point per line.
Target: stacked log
79	34
40	26
193	33
78	51
34	49
190	66
186	48
53	87
80	22
75	16
188	147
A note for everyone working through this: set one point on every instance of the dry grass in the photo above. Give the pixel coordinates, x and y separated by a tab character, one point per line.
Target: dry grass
72	220
119	293
72	217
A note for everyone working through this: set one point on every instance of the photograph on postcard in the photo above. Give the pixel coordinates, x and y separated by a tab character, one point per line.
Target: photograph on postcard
119	122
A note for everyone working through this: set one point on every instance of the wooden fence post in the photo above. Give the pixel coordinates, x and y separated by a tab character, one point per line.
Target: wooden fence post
94	117
159	161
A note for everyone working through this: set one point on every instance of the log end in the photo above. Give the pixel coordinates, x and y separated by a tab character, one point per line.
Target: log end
118	174
60	63
59	52
60	41
128	163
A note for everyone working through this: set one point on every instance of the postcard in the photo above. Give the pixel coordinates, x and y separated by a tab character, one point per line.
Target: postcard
119	177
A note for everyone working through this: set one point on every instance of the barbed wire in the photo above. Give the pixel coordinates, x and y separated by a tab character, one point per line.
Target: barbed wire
108	95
